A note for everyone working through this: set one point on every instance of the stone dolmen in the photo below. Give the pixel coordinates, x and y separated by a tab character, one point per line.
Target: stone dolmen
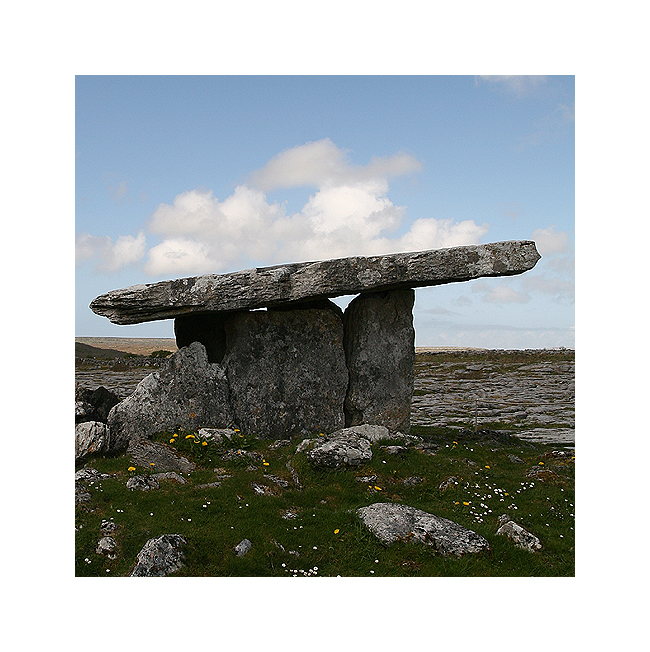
301	366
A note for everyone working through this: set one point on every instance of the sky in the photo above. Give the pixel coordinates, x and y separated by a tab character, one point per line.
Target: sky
183	175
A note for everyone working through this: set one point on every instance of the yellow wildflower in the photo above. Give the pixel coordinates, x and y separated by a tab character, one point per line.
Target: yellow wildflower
465	503
152	464
171	441
456	503
190	437
487	466
132	468
192	415
236	429
377	488
336	531
265	463
455	442
542	463
204	443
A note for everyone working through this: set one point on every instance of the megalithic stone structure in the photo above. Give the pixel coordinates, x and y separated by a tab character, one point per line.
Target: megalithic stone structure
302	366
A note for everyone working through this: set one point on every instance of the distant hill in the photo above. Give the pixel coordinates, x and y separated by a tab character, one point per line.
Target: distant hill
86	351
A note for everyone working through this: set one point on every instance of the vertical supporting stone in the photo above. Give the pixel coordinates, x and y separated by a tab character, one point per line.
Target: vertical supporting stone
286	371
207	328
379	342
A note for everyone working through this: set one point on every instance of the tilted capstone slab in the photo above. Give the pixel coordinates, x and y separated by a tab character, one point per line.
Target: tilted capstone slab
285	284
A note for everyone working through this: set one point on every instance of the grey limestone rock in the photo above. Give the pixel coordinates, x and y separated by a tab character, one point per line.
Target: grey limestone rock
295	282
343	449
91	438
147	453
391	522
380	353
142	483
106	546
372	432
160	556
521	537
243	547
286	371
188	391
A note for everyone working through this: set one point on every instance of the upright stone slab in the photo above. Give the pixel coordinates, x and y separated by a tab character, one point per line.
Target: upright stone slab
379	346
286	371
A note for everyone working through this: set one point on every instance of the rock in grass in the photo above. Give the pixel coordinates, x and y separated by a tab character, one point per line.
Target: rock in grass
243	547
91	438
346	449
106	546
164	459
160	556
142	483
521	537
391	522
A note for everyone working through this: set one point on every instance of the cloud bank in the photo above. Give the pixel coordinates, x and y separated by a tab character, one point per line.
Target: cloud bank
349	213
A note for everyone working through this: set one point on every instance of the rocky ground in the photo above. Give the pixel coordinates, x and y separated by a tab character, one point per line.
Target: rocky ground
530	392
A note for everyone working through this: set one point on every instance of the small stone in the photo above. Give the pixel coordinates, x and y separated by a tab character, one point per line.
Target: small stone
342	450
142	483
521	537
106	546
160	556
391	522
243	547
449	482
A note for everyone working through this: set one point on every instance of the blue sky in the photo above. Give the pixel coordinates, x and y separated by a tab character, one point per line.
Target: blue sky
178	176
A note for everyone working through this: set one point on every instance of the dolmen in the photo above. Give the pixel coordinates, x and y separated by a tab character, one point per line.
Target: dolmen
265	351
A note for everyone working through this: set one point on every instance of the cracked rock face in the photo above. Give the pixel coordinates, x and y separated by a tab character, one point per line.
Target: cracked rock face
343	449
391	522
160	556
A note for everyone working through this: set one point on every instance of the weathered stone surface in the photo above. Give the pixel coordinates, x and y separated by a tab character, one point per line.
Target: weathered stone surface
188	392
142	483
343	449
380	353
164	459
372	432
281	284
160	556
391	522
521	537
286	371
91	438
243	547
106	546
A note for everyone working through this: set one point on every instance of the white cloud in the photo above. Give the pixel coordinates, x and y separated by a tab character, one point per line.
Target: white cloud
322	163
110	257
348	214
550	241
499	293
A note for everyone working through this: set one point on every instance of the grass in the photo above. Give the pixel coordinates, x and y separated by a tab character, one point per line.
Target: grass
326	535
